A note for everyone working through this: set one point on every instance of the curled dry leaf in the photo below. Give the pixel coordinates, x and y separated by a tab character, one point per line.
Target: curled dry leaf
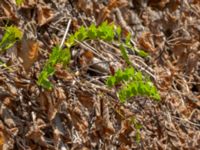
28	51
86	59
38	137
8	10
158	3
102	122
63	74
44	15
47	103
3	137
51	102
124	132
105	12
2	140
146	42
78	119
86	99
85	6
192	61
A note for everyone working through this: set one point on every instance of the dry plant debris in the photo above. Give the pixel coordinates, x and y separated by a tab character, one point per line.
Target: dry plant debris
81	112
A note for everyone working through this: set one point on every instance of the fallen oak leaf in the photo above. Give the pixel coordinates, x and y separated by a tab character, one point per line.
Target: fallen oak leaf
44	15
146	43
28	51
8	10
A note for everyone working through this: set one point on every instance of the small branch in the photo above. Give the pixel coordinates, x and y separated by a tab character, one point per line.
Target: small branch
65	34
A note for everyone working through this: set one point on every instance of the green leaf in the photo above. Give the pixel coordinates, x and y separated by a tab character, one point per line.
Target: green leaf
92	32
119	76
11	35
140	52
19	2
81	34
124	54
134	88
54	56
65	56
130	72
46	84
135	84
50	70
111	81
119	30
70	41
138	76
122	96
128	40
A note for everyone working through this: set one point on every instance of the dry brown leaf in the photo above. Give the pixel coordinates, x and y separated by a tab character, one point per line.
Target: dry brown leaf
124	132
86	99
85	60
108	126
105	12
116	4
44	15
158	3
192	61
2	140
8	10
85	6
63	74
78	119
102	122
146	43
37	136
28	51
102	15
47	103
50	102
2	136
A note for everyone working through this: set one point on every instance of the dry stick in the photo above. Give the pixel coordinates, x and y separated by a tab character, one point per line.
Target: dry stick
186	120
90	48
135	64
61	45
66	31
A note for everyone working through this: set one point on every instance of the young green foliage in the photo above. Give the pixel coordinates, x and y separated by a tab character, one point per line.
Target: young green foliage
105	31
19	2
137	127
58	55
133	83
4	66
10	37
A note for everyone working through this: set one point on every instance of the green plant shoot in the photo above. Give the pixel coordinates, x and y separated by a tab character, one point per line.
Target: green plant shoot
19	2
10	37
133	83
104	32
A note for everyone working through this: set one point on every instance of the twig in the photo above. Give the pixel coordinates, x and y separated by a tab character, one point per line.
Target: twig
66	31
186	120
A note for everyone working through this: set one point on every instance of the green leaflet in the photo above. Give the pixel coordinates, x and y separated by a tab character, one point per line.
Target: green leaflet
133	83
10	37
137	126
19	2
92	32
124	54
